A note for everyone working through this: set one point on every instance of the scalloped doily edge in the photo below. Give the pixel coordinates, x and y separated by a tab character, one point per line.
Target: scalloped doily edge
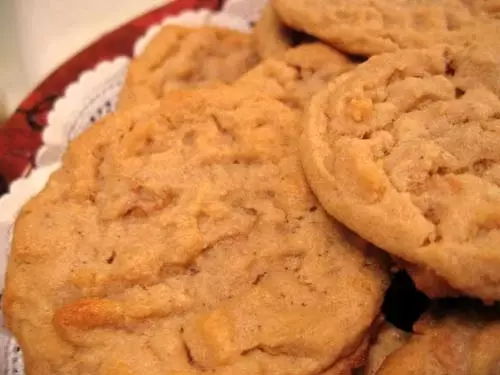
56	133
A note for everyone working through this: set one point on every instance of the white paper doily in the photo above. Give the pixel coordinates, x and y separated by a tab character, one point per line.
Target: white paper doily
85	101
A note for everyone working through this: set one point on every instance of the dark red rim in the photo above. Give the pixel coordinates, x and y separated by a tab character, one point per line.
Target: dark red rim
20	136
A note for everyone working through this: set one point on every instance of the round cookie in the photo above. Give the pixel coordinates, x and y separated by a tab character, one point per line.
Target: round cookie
298	74
182	238
458	344
272	37
369	27
408	157
182	57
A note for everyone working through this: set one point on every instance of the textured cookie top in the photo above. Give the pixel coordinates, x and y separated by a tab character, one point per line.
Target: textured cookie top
294	77
369	27
180	57
408	157
181	238
457	344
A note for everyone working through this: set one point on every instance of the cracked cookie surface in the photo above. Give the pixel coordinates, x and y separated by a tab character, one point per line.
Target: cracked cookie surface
406	152
298	74
182	57
182	238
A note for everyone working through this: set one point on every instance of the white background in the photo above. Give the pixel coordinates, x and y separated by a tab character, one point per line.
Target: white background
38	35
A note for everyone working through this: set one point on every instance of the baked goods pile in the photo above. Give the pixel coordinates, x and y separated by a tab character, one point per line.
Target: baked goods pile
245	207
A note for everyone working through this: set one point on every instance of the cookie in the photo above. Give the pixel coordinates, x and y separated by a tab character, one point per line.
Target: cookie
369	27
272	37
459	344
181	57
298	74
182	238
408	157
388	340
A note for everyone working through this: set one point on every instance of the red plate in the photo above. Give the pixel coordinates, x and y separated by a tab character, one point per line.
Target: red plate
20	136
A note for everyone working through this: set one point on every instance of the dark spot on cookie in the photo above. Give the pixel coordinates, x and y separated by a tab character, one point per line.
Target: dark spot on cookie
189	355
442	171
432	215
366	135
259	278
111	258
358	59
193	270
270	194
459	93
450	70
482	165
313	209
426	242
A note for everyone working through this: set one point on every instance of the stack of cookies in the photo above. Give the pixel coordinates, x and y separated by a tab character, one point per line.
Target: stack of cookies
245	207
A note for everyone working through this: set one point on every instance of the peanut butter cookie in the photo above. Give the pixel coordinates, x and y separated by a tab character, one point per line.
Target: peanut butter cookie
182	238
181	57
369	27
406	152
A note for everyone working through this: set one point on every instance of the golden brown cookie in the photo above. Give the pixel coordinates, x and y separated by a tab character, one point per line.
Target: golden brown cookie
272	37
369	27
182	238
408	157
181	57
298	74
458	344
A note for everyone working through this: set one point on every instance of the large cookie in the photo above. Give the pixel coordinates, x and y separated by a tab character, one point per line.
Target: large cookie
181	57
409	158
456	343
298	74
369	27
182	238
